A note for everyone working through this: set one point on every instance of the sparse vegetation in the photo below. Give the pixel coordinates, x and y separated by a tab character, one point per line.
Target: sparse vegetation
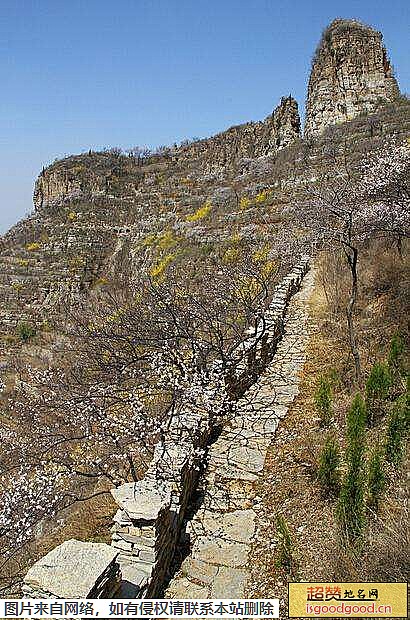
329	466
286	552
323	400
26	331
351	506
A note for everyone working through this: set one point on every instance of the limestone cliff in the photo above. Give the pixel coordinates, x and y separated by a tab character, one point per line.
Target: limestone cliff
96	174
351	74
266	137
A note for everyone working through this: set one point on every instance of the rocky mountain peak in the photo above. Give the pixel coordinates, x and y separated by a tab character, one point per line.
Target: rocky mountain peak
351	74
286	122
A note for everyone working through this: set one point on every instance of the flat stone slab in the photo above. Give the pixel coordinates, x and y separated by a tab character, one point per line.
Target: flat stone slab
72	569
234	471
182	588
141	500
220	552
199	571
250	458
229	583
236	526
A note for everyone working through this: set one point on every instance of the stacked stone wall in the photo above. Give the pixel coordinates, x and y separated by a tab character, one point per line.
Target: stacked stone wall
152	513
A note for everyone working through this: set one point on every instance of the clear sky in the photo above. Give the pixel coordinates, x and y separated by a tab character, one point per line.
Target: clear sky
79	74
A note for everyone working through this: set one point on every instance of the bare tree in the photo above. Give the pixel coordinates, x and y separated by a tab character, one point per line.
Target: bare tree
347	208
130	360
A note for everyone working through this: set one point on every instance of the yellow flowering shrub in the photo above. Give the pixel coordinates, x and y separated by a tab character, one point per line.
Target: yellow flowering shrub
249	289
158	270
200	213
32	247
244	203
268	268
149	240
166	240
261	255
231	255
261	197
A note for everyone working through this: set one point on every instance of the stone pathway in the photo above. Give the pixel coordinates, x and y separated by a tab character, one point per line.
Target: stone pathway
222	531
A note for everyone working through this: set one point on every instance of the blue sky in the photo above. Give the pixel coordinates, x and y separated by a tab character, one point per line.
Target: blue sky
94	73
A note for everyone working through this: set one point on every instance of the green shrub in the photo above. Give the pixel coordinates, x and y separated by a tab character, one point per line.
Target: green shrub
397	429
323	400
376	479
350	509
355	431
377	389
26	331
285	550
329	461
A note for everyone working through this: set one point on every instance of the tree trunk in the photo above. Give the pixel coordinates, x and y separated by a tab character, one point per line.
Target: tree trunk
352	260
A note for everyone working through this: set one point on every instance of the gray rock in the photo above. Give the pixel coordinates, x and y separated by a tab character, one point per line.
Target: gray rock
199	571
220	552
229	583
183	588
142	500
73	569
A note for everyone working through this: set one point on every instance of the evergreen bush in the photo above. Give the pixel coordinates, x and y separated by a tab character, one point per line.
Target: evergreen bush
355	431
378	386
329	462
285	550
397	429
323	400
376	479
396	355
350	510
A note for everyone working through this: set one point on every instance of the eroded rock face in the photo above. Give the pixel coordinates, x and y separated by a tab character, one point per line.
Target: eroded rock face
351	74
60	183
96	174
256	139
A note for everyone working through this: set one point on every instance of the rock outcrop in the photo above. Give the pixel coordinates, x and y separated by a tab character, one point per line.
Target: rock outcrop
95	174
256	139
351	74
73	570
